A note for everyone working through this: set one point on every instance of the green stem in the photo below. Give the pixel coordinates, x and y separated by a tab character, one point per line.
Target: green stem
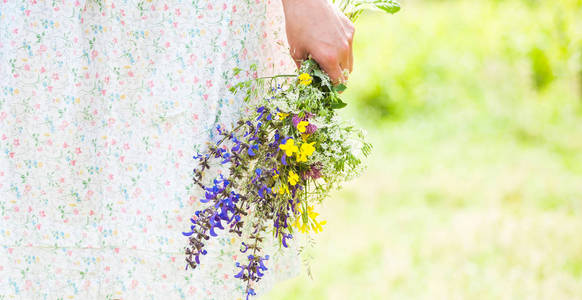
277	76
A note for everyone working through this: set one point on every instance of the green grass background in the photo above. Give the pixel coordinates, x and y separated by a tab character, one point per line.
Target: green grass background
474	186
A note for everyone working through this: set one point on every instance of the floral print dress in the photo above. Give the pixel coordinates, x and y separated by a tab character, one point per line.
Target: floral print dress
102	106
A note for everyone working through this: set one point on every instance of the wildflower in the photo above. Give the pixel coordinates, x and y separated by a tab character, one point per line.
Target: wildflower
316	226
306	150
280	188
301	126
295	119
305	79
261	110
302	227
313	172
301	158
310	129
302	221
284	238
282	115
293	178
289	147
283	189
251	148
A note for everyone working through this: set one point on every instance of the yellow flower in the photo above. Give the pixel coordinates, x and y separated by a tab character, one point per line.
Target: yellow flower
302	227
289	147
301	157
315	226
297	207
280	187
301	126
304	137
307	148
282	115
283	189
305	79
302	221
293	178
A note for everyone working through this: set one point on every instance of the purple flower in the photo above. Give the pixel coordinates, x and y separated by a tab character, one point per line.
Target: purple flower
295	119
250	292
251	148
286	236
310	128
313	172
245	250
236	147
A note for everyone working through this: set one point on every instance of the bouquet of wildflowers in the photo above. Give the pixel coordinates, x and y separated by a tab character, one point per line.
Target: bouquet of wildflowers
282	159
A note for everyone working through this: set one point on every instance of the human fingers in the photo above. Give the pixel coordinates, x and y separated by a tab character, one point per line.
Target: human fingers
345	47
298	55
331	65
349	31
351	53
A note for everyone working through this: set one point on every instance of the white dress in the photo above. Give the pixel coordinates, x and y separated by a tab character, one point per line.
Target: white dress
102	106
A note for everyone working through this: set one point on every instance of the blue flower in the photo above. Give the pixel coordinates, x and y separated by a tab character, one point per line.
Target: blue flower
264	190
262	111
236	147
250	292
191	232
251	148
246	247
241	273
286	236
226	157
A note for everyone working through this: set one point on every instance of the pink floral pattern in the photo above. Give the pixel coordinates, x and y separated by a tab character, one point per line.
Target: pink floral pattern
102	106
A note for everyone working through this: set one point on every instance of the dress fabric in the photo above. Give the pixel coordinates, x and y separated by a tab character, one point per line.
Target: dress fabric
102	106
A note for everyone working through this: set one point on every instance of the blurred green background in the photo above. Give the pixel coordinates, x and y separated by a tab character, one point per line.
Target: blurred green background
474	187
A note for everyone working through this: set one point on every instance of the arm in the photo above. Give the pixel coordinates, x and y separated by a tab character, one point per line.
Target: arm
319	29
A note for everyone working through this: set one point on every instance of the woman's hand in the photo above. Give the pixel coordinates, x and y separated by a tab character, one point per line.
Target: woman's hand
318	28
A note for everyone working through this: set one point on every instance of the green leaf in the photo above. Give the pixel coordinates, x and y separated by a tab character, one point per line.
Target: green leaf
388	6
236	71
340	87
319	73
339	104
